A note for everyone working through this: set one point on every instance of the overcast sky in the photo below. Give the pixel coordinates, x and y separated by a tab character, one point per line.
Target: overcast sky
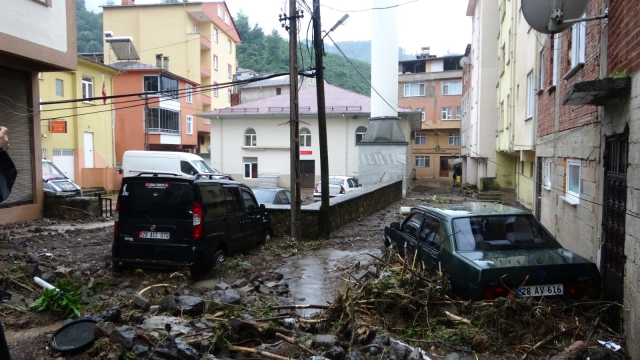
440	24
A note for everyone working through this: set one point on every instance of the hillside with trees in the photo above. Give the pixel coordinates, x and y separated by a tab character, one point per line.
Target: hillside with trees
270	54
361	50
89	27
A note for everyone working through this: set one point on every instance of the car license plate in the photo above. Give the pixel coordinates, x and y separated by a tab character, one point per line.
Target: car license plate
153	235
541	290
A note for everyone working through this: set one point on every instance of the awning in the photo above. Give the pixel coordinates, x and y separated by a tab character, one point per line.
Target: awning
597	92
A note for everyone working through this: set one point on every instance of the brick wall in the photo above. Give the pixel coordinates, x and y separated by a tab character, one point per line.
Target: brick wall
623	51
547	99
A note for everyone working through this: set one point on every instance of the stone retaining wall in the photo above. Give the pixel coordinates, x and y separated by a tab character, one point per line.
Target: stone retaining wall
70	207
342	209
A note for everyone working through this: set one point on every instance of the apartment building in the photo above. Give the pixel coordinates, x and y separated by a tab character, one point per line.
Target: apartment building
79	139
35	36
198	38
432	86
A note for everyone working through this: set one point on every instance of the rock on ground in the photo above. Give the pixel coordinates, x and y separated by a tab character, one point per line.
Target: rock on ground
123	336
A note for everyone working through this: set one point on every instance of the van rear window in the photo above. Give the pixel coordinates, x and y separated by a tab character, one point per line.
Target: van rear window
157	200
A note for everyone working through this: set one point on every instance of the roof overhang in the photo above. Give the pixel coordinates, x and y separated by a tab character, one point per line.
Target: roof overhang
597	92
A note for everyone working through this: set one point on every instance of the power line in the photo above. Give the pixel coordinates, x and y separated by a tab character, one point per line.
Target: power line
377	8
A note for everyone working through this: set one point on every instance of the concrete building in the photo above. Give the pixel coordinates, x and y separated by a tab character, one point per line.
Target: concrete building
253	138
171	112
79	138
270	87
518	84
587	150
433	86
199	39
480	114
35	36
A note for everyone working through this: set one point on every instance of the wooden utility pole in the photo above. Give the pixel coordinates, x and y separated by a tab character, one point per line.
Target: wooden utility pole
296	201
147	121
325	223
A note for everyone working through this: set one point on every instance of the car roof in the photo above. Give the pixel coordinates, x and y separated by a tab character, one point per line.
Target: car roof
181	179
266	189
470	209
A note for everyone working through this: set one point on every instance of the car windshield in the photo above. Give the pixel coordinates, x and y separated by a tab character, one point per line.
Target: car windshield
264	196
501	232
51	172
336	181
204	167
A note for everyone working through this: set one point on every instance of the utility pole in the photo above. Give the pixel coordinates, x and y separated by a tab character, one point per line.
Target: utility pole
146	116
294	141
325	223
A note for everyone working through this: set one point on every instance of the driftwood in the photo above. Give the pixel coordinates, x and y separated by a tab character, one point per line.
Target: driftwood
546	340
457	318
150	287
289	307
294	342
262	330
25	287
259	352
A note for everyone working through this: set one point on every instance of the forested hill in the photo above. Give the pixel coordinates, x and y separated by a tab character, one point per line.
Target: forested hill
270	54
361	50
89	27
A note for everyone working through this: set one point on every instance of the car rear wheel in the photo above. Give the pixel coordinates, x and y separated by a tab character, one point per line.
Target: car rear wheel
266	238
219	257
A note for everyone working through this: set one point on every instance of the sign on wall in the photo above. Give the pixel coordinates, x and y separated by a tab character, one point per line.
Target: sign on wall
306	155
58	127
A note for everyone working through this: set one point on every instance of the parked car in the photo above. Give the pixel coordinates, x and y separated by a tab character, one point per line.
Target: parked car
338	185
55	181
167	162
491	250
170	222
272	196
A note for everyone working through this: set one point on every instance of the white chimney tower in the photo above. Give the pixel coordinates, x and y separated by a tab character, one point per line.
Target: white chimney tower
384	150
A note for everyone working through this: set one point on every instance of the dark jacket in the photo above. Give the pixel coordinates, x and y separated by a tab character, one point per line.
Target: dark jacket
8	174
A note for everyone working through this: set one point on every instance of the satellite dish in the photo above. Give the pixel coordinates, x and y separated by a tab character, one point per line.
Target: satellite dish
547	16
209	148
464	61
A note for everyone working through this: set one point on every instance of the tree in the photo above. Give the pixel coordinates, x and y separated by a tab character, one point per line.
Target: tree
89	29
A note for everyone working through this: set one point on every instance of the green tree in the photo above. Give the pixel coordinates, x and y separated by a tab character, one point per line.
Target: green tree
89	28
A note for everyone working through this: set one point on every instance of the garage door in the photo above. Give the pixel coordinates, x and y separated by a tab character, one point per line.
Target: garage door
64	160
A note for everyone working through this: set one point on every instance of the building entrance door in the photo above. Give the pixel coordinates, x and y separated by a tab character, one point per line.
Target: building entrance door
307	174
444	166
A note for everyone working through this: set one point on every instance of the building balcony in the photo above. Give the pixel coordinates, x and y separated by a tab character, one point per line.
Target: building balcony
206	100
204	126
205	71
205	42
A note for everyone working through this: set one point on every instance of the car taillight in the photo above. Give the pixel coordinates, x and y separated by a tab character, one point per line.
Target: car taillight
116	219
494	292
197	220
580	289
341	189
315	190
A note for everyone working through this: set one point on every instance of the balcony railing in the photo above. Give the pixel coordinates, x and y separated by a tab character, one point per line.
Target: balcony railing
205	42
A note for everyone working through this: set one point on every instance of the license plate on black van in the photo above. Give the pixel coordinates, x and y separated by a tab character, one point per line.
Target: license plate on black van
154	235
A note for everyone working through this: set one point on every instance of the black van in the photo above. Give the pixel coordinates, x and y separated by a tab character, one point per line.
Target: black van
168	222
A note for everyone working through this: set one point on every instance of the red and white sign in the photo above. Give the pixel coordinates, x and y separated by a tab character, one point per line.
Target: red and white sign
306	154
58	127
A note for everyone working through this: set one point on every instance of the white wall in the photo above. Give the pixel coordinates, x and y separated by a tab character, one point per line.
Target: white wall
35	22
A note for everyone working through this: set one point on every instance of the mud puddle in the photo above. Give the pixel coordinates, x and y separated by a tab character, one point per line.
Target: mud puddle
14	336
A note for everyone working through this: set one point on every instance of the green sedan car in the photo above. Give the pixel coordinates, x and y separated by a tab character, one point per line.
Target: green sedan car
491	250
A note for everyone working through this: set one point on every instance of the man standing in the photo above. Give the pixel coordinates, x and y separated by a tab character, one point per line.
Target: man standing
8	172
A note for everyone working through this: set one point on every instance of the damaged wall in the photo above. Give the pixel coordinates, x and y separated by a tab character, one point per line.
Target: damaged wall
70	207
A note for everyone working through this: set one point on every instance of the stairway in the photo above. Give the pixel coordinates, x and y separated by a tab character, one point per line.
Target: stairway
505	195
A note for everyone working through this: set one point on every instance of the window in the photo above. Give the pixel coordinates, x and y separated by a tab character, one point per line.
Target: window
59	88
250	168
452	88
305	137
215	89
229	95
229	46
189	125
195	29
278	91
187	168
546	173
87	88
213	201
226	18
458	112
360	131
454	138
232	198
541	71
229	70
250	137
164	121
447	113
215	62
578	40
412	225
423	161
250	204
421	113
556	57
215	35
155	83
413	89
421	138
573	180
220	12
530	95
189	94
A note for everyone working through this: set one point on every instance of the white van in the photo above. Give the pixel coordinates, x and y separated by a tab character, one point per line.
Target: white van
165	162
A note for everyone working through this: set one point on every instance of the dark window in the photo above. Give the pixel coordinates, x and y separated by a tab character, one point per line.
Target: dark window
164	121
232	197
431	233
283	199
151	82
278	91
213	201
249	201
360	131
158	200
411	226
352	183
187	168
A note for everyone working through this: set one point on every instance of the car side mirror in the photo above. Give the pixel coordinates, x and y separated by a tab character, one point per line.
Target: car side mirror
395	225
263	209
